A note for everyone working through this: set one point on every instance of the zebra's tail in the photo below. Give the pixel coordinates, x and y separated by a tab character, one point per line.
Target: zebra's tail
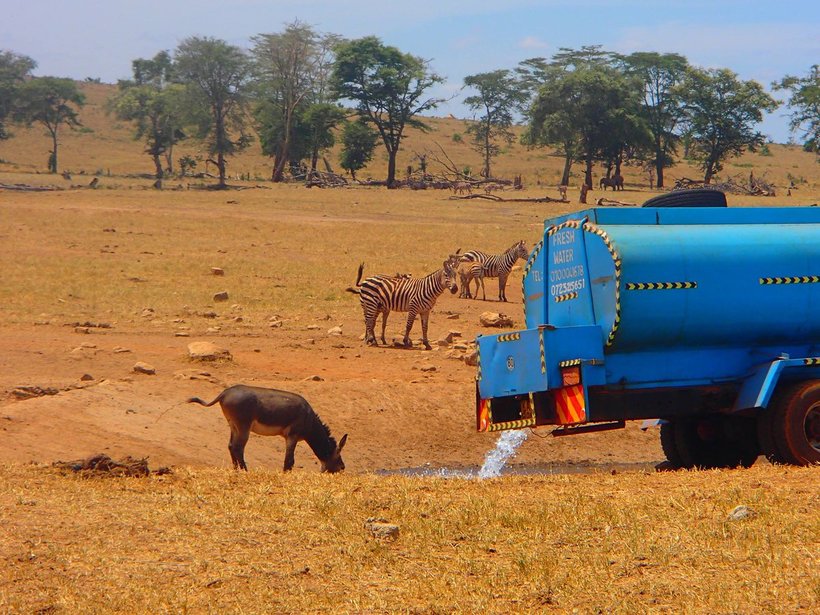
355	290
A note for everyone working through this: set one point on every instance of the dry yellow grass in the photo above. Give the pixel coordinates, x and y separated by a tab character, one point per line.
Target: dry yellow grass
217	541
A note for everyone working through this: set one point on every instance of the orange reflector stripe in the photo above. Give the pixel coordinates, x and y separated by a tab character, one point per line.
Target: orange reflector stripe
569	405
483	415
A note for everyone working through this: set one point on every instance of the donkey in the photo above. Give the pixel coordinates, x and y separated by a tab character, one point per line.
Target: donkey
269	412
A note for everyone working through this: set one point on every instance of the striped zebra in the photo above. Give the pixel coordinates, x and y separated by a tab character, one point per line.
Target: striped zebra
467	273
494	266
416	296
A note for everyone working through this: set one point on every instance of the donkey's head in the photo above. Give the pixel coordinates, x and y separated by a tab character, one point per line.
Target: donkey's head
334	463
450	271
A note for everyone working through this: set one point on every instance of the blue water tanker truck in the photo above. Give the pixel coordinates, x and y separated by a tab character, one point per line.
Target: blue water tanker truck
706	319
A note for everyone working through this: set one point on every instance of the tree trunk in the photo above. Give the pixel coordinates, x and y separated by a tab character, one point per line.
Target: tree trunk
391	168
52	159
659	172
220	163
157	166
567	169
588	172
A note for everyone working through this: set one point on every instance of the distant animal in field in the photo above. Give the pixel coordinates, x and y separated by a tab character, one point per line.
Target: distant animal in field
269	412
496	265
462	187
467	273
379	294
562	190
616	182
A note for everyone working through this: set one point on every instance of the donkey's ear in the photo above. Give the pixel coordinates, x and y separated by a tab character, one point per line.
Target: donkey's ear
341	443
457	251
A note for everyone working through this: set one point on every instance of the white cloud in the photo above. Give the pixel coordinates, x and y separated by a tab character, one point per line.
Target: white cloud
532	42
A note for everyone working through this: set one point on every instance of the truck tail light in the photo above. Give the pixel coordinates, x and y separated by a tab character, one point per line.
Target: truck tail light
571	376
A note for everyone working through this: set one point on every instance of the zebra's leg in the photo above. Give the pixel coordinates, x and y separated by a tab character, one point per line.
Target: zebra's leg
411	318
384	324
502	285
425	317
483	292
369	329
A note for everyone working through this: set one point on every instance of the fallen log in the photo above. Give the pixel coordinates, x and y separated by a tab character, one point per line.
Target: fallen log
28	188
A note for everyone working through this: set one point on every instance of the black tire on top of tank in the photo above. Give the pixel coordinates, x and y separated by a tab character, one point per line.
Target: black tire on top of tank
789	422
700	197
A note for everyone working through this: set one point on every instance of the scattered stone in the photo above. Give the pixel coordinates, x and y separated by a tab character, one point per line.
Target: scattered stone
217	271
141	367
335	331
120	350
453	316
275	324
428	368
315	378
86	377
182	334
210	314
221	296
207	351
445	340
83	330
379	528
471	358
147	312
313	327
741	512
214	329
28	392
494	319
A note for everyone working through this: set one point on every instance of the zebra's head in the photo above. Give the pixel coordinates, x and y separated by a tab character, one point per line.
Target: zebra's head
450	271
522	250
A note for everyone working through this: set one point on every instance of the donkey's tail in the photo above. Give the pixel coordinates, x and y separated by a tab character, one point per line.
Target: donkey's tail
196	400
355	290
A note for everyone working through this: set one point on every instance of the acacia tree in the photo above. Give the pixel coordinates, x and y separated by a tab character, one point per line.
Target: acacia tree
387	87
14	70
52	102
153	103
805	104
292	69
588	108
721	113
659	75
216	76
499	97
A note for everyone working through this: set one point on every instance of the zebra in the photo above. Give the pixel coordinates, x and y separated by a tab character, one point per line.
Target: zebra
416	296
495	266
467	273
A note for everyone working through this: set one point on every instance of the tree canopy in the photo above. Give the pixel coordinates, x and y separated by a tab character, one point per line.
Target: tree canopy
387	87
51	102
721	113
216	76
805	104
14	70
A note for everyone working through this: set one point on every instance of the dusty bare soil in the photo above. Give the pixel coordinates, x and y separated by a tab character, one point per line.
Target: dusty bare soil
402	408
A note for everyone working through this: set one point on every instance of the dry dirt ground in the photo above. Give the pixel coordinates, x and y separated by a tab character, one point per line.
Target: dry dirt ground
402	408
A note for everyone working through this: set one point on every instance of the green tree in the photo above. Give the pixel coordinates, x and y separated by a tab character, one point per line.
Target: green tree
153	103
216	76
721	113
659	75
586	107
292	69
318	123
388	89
358	143
499	97
52	102
805	104
14	70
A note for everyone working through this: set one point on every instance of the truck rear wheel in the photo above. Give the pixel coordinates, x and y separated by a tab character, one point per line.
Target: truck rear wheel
704	443
795	425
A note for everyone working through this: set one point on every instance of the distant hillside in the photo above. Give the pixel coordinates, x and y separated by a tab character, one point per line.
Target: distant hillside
105	146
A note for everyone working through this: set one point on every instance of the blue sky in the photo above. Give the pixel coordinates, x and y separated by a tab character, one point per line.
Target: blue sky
760	40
